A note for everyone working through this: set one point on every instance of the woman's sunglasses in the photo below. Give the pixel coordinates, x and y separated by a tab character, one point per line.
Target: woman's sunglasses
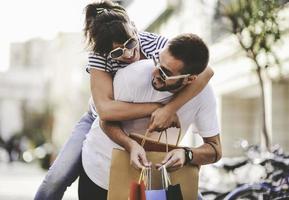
164	76
118	52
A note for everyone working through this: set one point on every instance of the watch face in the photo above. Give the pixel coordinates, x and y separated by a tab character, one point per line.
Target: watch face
190	154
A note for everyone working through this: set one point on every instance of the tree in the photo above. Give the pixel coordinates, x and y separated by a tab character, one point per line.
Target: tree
255	24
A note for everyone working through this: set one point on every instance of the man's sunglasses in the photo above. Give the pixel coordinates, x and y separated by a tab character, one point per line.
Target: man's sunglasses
118	52
164	76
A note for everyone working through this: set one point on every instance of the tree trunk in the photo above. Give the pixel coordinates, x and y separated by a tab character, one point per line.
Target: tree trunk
263	109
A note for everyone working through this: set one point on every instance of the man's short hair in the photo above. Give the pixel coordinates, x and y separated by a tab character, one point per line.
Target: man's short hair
192	51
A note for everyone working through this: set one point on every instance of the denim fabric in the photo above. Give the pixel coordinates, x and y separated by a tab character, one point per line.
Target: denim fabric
67	166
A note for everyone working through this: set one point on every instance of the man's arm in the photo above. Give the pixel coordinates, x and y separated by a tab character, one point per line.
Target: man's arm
115	133
206	122
163	117
110	109
207	153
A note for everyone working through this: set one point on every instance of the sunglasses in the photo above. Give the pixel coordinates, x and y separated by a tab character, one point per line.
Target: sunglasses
131	43
164	76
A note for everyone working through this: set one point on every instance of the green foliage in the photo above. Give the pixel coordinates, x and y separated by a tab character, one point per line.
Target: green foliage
255	23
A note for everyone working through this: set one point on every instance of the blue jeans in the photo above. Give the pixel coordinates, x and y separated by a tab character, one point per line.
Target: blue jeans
67	166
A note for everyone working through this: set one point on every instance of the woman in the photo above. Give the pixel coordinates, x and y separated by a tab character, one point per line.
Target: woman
115	43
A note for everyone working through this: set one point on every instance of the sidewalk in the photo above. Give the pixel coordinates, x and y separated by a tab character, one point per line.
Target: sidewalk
20	181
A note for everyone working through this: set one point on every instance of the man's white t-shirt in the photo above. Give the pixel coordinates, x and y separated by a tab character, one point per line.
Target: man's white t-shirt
133	84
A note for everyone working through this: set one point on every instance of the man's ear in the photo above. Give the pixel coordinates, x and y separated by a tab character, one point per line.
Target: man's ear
191	79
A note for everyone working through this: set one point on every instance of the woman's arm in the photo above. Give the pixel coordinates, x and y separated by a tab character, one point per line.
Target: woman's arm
162	118
110	110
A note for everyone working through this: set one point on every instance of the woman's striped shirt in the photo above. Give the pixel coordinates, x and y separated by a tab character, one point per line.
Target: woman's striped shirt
150	45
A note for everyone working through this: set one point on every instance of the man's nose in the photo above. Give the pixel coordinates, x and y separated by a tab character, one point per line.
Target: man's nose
156	74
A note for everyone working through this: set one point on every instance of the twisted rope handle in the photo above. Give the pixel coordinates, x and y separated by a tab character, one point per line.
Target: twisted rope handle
146	137
141	176
165	177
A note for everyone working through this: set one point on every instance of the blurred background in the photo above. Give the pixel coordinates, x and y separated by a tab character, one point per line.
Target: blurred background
44	88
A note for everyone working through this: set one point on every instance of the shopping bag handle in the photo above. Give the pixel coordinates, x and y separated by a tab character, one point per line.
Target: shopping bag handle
141	176
145	137
145	176
165	177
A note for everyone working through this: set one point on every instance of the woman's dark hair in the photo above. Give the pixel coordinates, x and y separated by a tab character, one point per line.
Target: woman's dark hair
104	25
191	50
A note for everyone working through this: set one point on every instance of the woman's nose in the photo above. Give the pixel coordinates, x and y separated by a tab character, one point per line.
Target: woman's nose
128	53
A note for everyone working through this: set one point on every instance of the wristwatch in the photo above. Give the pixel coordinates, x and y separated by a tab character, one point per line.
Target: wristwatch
188	155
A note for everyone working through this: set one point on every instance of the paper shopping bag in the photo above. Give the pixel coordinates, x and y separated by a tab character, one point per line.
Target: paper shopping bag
159	194
156	194
137	189
122	174
174	192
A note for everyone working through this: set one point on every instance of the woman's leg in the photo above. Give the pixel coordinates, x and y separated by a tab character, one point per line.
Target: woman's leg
88	190
66	168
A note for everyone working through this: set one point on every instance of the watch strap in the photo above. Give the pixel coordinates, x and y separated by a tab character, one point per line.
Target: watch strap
187	156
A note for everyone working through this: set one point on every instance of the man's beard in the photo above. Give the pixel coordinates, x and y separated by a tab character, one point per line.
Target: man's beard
168	88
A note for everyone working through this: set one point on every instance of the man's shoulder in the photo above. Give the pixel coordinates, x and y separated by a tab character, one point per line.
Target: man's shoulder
205	98
136	72
207	92
133	78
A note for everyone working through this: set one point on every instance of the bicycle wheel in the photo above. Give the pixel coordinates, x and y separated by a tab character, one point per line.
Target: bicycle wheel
247	192
210	195
244	195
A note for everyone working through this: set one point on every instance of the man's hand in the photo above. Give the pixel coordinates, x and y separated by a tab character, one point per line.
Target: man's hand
174	160
163	118
138	156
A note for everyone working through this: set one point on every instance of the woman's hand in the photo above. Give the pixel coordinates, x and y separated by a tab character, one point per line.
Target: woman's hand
163	118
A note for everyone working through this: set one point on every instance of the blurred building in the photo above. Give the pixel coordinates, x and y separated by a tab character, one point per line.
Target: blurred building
235	82
44	75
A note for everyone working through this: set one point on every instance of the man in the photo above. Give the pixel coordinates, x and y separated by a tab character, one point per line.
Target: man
182	59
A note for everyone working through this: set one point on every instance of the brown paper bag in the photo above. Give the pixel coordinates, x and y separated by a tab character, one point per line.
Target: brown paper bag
122	173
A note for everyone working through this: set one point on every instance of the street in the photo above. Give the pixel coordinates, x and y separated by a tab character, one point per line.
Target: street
20	181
